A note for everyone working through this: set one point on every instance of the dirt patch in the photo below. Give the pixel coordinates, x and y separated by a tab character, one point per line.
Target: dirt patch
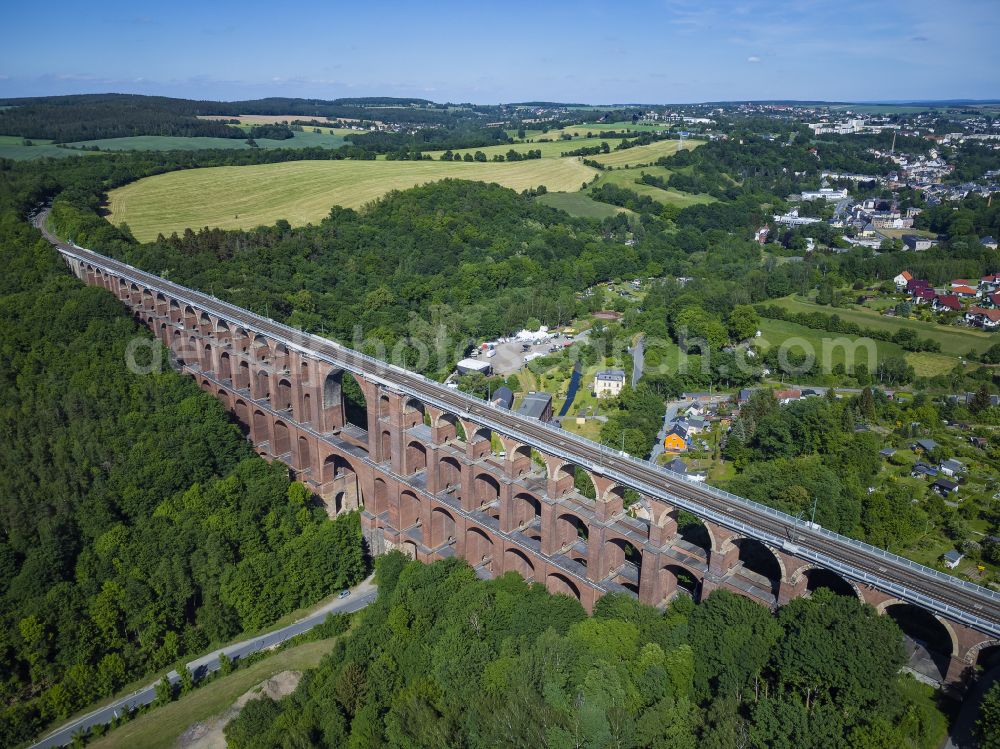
208	734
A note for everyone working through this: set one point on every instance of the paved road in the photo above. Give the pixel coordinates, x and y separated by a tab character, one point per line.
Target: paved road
638	359
943	594
360	597
672	408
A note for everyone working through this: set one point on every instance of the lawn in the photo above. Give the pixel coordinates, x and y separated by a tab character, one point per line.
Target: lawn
238	197
626	178
159	728
579	204
12	147
179	143
954	341
643	154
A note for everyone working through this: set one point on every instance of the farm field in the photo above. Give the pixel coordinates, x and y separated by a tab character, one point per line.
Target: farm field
12	147
954	341
239	197
550	150
643	154
626	178
180	143
579	204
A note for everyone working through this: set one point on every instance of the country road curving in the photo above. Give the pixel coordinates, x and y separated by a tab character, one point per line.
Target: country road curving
361	596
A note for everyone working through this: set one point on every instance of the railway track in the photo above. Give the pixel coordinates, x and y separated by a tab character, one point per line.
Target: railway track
945	595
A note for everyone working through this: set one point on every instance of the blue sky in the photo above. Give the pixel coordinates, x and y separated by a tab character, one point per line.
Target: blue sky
490	52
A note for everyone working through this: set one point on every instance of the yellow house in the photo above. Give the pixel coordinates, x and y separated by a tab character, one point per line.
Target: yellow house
675	441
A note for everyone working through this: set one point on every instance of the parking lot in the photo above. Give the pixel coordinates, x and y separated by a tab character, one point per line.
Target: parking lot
509	357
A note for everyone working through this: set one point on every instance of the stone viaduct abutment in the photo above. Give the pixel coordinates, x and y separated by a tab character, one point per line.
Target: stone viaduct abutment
436	483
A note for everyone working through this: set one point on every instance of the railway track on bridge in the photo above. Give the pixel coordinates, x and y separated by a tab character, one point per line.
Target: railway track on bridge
947	596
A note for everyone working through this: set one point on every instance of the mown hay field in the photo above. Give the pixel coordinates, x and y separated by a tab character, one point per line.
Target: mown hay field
239	197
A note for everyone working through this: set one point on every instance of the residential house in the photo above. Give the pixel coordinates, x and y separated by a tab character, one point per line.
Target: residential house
988	242
925	445
987	319
902	279
964	291
676	440
609	383
923	295
952	558
981	442
952	467
989	283
922	470
887	452
677	466
536	406
944	487
745	395
947	303
916	243
503	397
787	396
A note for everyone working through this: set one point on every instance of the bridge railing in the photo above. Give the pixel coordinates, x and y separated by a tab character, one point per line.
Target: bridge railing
301	339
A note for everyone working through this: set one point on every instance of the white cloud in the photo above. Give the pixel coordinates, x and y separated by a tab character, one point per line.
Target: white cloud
753	58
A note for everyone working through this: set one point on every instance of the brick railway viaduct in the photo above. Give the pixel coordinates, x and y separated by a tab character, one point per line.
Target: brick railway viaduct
421	466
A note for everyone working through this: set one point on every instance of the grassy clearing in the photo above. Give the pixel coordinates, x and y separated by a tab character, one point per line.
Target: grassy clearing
159	728
579	204
899	233
180	143
954	341
778	332
262	119
12	147
626	178
643	154
238	197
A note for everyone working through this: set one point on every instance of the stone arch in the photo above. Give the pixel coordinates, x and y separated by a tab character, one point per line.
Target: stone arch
223	396
525	509
984	654
259	350
225	367
189	317
935	636
409	548
148	303
354	403
385	445
416	457
242	412
761	562
559	584
282	438
820	577
443	528
694	534
447	428
409	510
478	548
519	458
570	529
242	375
161	303
263	385
413	413
515	560
261	427
449	472
283	396
623	560
207	360
486	489
281	358
240	339
380	502
205	321
332	416
676	577
174	310
303	454
566	477
222	333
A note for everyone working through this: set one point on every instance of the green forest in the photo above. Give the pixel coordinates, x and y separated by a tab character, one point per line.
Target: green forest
442	659
138	526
